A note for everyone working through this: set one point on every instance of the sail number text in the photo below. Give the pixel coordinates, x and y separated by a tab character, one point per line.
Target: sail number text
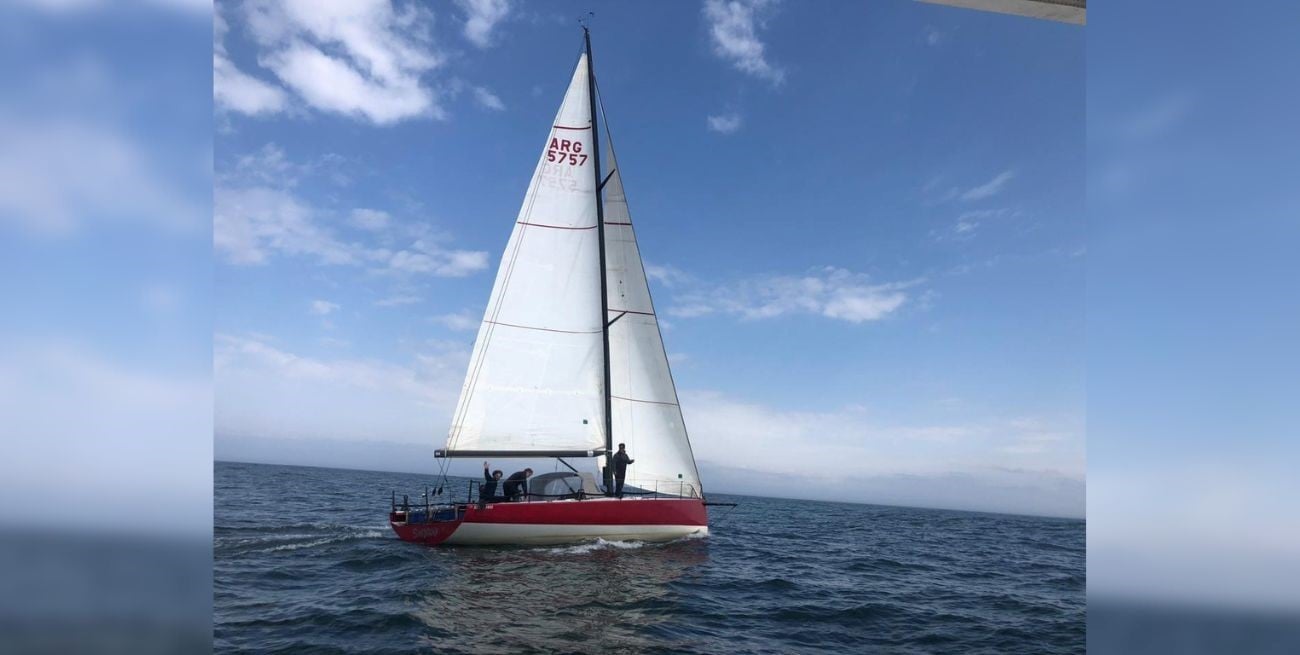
564	151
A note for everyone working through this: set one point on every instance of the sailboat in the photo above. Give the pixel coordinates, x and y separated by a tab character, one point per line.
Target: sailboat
569	360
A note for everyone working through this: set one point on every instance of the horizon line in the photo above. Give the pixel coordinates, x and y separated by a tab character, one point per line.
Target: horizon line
1083	518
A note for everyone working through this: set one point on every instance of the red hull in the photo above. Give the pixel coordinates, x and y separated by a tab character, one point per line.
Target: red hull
561	522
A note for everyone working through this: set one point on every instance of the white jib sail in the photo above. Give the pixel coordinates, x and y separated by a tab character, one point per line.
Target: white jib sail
646	413
536	378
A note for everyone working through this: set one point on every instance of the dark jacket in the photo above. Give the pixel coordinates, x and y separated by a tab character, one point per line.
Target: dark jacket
621	460
516	483
489	488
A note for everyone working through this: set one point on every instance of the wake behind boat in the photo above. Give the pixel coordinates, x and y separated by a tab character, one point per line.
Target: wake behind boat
569	360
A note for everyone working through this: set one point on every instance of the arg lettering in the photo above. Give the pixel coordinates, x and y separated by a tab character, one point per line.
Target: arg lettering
564	151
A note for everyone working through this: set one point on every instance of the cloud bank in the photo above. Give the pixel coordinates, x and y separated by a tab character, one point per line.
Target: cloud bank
363	59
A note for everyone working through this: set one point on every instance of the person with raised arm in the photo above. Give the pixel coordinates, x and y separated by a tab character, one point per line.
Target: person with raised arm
487	492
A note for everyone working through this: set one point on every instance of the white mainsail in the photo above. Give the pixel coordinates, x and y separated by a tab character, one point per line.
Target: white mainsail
536	378
647	416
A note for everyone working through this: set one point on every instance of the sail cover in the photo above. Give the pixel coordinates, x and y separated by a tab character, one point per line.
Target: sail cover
646	414
536	377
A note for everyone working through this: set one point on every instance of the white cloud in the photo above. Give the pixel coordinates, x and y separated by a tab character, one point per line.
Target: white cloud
370	219
488	99
481	17
323	307
725	124
139	434
462	321
935	192
80	147
1032	436
270	166
933	37
829	291
858	304
361	59
764	440
691	310
333	85
248	224
425	257
968	223
1196	551
733	28
668	276
253	221
397	301
990	188
267	165
235	90
59	174
268	391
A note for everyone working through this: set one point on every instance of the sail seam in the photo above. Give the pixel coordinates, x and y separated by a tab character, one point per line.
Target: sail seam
530	327
556	227
631	311
638	400
566	127
615	223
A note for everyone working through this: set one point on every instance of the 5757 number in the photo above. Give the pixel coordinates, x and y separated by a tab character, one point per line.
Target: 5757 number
564	151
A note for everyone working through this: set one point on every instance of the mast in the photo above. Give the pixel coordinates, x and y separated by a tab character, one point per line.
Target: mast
600	238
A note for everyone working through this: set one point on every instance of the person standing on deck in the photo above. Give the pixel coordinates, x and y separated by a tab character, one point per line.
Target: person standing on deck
487	492
515	483
621	461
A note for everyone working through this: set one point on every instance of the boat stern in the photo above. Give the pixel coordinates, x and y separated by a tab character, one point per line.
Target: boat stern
412	527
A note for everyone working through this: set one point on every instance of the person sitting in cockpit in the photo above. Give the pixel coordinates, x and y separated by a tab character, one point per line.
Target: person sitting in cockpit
516	486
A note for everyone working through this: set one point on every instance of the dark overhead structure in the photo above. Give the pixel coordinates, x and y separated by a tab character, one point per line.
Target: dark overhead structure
1065	11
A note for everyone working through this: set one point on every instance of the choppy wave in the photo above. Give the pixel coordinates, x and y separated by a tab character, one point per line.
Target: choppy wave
295	537
598	544
293	573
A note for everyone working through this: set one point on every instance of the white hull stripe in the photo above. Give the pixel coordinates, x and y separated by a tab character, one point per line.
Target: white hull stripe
545	534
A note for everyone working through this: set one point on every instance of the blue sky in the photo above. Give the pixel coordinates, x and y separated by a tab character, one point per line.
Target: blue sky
1192	308
864	224
106	264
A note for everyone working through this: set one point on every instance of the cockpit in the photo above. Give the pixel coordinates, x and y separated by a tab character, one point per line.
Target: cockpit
562	484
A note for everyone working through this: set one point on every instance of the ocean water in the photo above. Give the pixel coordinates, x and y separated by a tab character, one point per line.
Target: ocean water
304	561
